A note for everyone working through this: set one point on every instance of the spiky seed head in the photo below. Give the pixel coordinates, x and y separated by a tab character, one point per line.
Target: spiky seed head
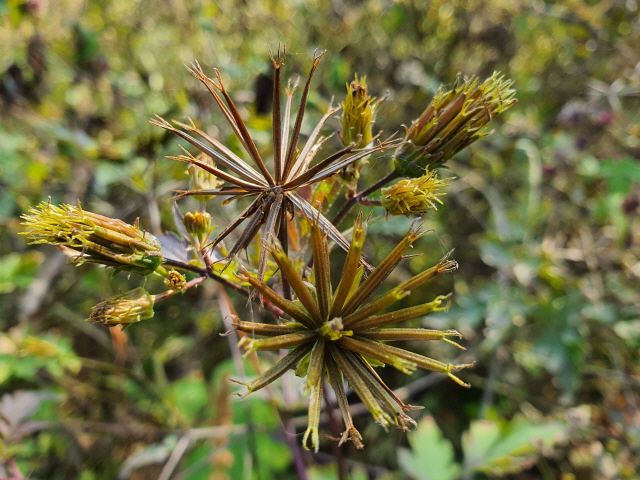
414	196
339	334
124	309
96	238
200	179
452	121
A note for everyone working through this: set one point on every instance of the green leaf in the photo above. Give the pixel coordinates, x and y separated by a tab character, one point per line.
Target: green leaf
620	174
491	450
431	456
189	395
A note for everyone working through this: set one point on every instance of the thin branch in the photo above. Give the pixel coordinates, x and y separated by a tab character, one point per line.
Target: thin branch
218	278
360	196
175	457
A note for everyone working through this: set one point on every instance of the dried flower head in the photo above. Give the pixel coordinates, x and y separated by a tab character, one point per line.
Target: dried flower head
96	238
275	195
414	196
336	333
124	309
452	121
358	116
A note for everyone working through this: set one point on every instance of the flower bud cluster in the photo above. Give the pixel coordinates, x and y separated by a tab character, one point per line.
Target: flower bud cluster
198	224
175	280
200	179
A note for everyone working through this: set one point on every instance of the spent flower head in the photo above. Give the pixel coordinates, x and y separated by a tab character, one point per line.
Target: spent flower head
452	121
124	309
414	196
275	194
337	334
96	238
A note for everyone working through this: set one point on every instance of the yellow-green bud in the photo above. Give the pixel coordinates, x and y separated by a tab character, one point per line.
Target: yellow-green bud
96	238
124	309
358	116
452	121
175	280
200	179
413	196
198	224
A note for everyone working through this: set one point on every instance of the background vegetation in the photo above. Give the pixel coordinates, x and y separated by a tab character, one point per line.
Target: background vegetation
544	216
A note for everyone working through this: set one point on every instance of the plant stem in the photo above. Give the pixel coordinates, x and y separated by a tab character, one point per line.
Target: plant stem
171	293
218	278
287	424
283	236
346	208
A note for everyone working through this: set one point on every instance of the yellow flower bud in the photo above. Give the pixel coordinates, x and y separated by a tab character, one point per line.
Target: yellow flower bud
198	224
175	280
358	116
413	196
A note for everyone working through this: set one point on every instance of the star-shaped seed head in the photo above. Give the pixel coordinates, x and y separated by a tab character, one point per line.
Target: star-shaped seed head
337	334
274	195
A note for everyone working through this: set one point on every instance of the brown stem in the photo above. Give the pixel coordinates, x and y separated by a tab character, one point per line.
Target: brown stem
187	286
346	208
292	443
359	198
218	278
288	424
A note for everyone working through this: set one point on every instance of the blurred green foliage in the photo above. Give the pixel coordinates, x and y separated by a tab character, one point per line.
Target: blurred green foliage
544	216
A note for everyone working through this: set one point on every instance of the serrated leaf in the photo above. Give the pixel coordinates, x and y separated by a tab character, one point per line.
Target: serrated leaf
492	451
431	455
